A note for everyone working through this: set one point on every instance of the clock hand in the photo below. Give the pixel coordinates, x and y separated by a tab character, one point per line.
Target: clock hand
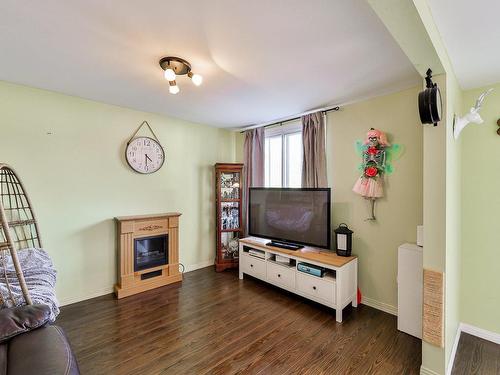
147	157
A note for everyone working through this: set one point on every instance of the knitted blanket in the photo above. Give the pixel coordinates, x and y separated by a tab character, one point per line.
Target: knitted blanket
40	276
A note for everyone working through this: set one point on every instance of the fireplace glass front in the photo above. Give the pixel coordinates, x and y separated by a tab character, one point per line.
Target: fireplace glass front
150	252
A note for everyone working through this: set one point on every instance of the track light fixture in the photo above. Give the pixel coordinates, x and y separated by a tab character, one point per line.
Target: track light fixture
175	66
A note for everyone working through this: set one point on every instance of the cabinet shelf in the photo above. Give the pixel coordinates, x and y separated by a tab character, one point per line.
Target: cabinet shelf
329	276
289	266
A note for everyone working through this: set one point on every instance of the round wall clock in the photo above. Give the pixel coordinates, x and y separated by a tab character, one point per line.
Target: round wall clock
144	155
429	102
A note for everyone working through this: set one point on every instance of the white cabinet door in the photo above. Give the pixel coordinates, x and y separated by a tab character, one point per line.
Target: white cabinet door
281	275
253	266
410	282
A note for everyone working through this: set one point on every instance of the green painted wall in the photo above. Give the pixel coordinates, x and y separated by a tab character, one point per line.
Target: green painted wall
78	180
400	211
480	297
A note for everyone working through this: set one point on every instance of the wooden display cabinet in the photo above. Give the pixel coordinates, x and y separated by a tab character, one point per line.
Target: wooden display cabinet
229	218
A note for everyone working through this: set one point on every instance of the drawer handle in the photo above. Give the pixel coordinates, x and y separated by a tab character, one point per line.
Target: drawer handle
251	265
314	287
279	275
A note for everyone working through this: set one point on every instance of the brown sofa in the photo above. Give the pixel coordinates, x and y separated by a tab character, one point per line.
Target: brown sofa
30	346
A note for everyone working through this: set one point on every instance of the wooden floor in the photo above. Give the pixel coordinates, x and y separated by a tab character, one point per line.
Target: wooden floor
476	356
214	323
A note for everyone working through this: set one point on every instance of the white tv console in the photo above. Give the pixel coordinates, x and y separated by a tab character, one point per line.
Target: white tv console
336	289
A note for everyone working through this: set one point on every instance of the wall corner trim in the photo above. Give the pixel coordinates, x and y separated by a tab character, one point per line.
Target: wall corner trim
474	331
197	266
454	350
481	333
393	310
426	371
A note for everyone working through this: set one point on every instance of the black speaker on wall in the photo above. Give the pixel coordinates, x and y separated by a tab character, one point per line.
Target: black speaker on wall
429	102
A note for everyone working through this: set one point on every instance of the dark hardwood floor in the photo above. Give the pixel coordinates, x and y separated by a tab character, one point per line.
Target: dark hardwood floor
214	323
476	356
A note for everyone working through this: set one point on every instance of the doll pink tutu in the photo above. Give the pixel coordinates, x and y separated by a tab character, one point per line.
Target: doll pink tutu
369	187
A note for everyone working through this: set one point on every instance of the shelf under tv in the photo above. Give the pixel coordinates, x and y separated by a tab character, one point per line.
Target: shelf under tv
336	289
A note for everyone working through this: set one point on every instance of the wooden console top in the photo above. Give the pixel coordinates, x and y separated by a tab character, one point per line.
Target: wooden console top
309	253
151	216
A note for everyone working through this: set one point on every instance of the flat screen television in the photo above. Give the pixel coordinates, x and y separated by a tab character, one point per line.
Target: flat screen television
297	216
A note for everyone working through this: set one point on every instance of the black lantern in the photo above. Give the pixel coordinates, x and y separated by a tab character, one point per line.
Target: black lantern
343	240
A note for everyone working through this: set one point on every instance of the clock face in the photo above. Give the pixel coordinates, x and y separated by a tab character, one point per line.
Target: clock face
144	155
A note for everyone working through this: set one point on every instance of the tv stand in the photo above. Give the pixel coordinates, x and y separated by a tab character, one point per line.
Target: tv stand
336	289
284	245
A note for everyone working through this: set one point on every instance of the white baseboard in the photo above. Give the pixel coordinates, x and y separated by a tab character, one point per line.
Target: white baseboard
481	333
426	371
108	290
474	331
453	351
94	294
197	266
393	310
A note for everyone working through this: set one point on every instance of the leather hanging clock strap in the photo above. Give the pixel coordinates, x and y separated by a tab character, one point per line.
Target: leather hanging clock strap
139	128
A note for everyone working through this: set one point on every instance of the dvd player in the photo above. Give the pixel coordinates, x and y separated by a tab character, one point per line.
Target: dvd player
311	269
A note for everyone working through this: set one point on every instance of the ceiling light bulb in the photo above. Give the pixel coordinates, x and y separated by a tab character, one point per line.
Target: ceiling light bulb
174	89
197	79
169	74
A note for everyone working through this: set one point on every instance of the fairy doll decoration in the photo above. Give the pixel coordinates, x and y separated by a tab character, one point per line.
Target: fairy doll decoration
377	154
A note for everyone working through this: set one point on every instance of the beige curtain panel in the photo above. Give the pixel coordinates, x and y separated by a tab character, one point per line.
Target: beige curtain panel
314	159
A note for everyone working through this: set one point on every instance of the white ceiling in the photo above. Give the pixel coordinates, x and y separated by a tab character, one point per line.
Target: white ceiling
261	60
471	33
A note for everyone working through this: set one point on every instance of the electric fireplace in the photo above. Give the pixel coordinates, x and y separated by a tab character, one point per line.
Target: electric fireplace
150	252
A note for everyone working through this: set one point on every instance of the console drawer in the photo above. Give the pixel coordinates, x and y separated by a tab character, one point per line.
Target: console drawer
253	266
280	275
315	288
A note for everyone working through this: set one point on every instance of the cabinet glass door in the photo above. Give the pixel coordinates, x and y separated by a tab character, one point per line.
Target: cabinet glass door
230	185
230	215
229	244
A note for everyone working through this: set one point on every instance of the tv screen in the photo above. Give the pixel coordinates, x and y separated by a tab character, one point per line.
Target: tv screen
300	216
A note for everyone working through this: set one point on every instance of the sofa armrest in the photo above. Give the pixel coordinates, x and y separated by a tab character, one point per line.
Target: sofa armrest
44	351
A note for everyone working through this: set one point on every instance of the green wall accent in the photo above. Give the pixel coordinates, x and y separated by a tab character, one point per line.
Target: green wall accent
480	296
78	180
400	211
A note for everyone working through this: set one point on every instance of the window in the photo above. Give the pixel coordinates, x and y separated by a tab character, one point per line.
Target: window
283	156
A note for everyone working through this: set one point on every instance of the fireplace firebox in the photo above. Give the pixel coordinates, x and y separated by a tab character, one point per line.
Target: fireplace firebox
150	252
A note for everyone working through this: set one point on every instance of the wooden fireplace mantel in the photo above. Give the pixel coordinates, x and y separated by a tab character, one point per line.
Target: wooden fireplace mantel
134	227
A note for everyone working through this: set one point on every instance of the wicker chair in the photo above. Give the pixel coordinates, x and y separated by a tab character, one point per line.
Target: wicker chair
43	350
18	225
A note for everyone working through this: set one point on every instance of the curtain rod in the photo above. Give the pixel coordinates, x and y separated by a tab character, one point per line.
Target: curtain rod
324	111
